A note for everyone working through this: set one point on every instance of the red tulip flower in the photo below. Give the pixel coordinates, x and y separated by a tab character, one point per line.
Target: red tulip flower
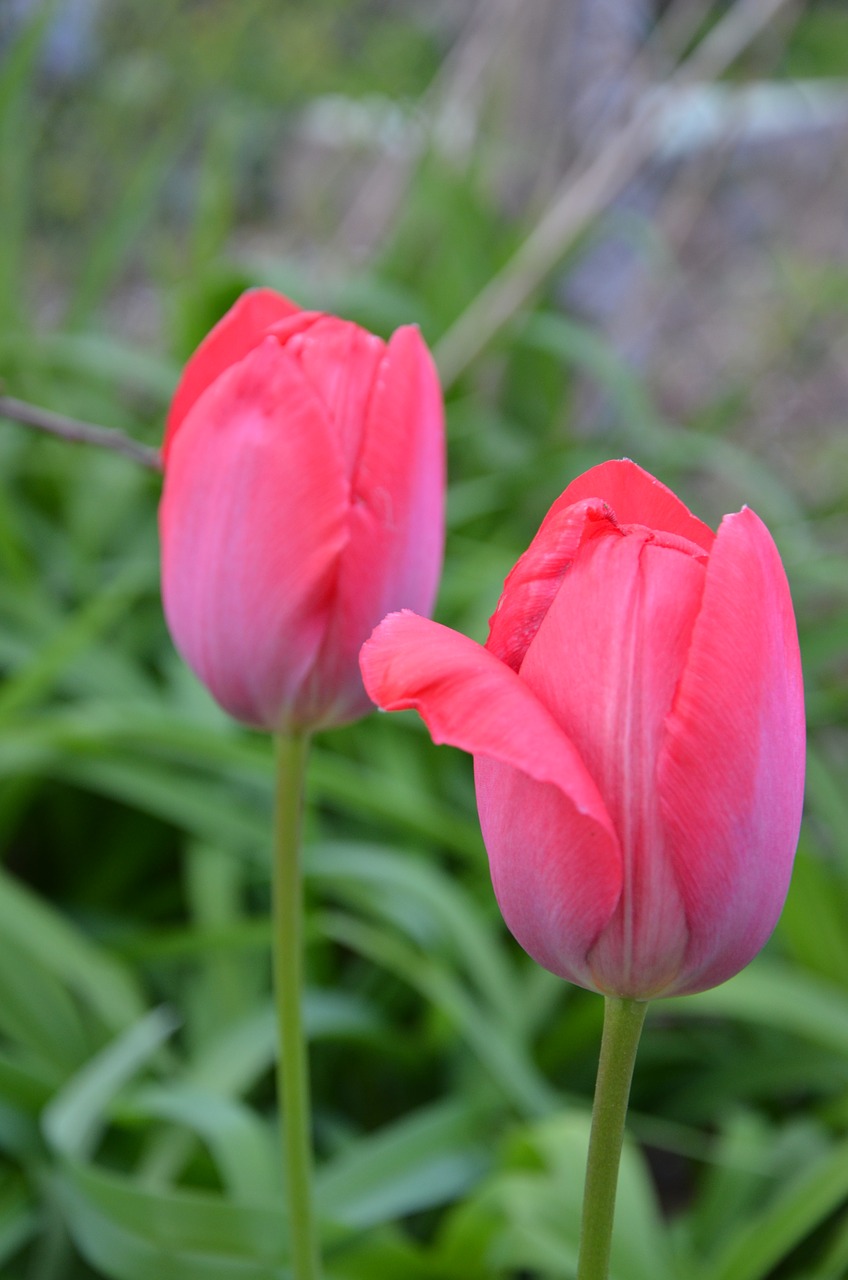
303	500
637	725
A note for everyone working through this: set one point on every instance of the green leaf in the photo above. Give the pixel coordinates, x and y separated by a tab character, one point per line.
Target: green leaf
391	880
776	995
812	925
38	1013
43	935
243	1051
73	1120
97	357
795	1210
826	796
135	1234
426	1159
242	1146
77	635
731	1183
527	1215
17	136
19	1218
503	1057
389	1255
25	1083
346	782
209	813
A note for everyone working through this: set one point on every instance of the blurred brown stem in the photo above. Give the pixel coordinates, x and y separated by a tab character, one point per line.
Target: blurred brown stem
588	188
72	429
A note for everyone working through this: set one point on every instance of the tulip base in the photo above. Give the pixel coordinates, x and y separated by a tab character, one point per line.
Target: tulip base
623	1020
292	1062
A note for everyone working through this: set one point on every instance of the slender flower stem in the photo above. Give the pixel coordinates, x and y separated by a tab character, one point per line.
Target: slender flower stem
623	1021
292	1062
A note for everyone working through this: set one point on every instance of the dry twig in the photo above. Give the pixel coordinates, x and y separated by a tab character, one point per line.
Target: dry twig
72	429
587	189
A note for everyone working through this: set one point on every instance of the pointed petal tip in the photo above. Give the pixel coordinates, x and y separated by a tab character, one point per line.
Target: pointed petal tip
638	497
237	331
407	342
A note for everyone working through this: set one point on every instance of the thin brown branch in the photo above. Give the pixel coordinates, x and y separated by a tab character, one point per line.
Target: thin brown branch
72	429
452	96
588	188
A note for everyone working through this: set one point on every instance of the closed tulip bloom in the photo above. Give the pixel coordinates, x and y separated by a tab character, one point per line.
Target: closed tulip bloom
637	725
303	500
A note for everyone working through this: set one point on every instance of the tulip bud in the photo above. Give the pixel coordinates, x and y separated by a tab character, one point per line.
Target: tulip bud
637	725
303	500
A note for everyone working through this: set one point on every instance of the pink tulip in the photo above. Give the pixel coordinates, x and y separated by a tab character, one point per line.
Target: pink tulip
637	725
303	500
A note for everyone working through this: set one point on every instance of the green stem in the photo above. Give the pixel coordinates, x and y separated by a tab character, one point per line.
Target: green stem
292	1063
623	1021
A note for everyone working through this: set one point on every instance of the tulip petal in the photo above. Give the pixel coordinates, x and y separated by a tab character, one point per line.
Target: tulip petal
637	497
617	493
606	662
470	700
340	360
399	484
396	523
731	770
554	856
253	521
536	577
232	338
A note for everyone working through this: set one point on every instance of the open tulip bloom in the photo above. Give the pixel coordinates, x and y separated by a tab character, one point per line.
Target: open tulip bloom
304	498
636	719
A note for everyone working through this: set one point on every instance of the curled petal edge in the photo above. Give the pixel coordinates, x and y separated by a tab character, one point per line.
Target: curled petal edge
469	699
636	497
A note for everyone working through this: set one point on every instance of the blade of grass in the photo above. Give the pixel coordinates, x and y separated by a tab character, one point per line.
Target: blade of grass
797	1208
17	127
115	239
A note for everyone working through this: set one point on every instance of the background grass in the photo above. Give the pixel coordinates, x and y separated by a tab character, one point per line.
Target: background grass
183	156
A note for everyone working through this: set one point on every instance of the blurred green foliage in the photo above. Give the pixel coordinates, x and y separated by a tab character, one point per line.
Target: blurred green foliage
820	45
452	1077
